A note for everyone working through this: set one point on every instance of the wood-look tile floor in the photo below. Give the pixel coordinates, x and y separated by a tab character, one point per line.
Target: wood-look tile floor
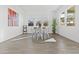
29	46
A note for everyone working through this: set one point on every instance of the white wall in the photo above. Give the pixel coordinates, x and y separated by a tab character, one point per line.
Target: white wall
36	19
1	24
9	32
39	12
71	32
38	16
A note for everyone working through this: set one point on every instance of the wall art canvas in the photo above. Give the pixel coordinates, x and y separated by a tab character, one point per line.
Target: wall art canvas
45	23
71	16
30	23
13	18
62	18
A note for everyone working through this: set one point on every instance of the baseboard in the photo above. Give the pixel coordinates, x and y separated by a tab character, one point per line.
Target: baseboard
68	38
10	38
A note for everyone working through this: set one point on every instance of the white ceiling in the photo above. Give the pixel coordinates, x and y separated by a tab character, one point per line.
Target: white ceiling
36	9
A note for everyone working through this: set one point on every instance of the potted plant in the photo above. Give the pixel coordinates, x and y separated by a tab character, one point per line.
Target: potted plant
54	26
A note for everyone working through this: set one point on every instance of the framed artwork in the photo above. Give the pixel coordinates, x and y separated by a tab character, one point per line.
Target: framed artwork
45	23
71	16
38	23
62	18
13	18
30	23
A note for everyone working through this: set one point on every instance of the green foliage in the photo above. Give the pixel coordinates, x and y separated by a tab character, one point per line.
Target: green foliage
54	26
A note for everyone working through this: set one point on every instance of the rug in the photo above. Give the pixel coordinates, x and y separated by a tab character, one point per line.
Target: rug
50	40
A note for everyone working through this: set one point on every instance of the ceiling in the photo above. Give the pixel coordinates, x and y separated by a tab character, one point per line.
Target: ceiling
36	9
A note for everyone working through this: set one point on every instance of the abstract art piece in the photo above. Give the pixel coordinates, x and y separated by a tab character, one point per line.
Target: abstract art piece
45	23
38	23
62	18
13	18
71	16
30	23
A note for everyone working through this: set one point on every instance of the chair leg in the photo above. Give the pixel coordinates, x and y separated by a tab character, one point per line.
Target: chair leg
32	36
48	35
